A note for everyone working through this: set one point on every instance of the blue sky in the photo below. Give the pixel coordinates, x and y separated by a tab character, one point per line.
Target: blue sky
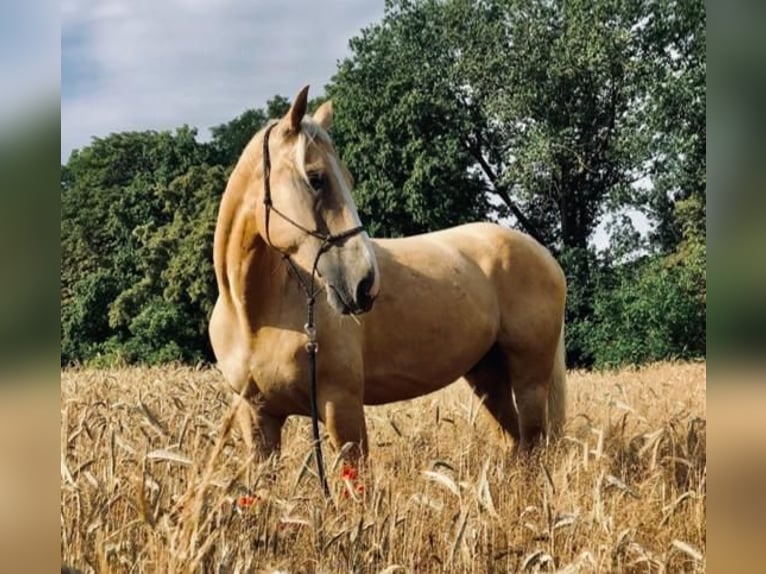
140	64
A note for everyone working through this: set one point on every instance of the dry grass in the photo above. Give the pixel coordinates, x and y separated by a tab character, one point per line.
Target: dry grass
152	480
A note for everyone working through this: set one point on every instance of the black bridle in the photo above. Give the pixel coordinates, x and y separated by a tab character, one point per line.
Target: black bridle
309	289
328	239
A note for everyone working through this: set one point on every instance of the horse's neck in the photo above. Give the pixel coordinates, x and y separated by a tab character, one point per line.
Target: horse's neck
246	268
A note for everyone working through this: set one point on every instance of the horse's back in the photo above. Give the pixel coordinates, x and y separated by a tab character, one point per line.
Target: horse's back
524	286
529	282
494	248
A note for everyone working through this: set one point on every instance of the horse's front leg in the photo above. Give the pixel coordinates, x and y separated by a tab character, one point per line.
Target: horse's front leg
342	409
344	418
261	430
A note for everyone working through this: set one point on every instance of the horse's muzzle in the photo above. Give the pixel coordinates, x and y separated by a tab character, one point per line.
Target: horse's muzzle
366	293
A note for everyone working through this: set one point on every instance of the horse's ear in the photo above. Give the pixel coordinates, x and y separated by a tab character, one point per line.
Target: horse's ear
323	115
297	110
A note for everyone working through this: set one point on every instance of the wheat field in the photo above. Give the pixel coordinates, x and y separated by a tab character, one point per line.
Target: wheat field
154	478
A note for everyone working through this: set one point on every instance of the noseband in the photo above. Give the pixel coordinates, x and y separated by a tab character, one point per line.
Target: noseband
328	240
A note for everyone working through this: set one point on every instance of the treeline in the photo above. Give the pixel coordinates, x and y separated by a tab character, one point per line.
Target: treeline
552	116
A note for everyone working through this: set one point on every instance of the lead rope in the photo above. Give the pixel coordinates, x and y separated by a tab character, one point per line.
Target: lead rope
312	347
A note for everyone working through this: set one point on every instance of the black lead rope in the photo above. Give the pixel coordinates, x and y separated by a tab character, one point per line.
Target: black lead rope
312	346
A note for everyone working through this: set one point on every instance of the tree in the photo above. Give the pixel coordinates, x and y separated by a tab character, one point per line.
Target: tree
111	189
645	311
107	190
395	126
674	43
177	278
520	110
526	101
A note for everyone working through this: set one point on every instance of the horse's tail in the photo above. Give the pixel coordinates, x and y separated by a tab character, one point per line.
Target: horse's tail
557	393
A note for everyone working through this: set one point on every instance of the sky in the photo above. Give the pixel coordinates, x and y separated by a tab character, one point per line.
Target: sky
140	64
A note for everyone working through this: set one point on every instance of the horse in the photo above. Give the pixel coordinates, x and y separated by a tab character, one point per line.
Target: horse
400	318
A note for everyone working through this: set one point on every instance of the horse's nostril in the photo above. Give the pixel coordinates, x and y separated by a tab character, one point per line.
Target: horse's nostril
364	297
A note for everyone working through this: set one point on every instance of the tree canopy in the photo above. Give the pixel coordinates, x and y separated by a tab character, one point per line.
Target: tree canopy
549	115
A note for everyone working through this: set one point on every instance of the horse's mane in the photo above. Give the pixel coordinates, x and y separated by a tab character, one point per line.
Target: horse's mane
252	156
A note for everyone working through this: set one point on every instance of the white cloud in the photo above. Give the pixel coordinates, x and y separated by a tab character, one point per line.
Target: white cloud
158	65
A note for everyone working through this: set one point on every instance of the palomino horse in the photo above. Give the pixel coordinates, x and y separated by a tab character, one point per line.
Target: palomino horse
402	317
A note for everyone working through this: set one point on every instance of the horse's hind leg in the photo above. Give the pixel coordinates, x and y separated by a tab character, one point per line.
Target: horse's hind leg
531	378
489	380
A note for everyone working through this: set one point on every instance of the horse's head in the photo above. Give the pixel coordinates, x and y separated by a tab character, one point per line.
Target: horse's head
305	210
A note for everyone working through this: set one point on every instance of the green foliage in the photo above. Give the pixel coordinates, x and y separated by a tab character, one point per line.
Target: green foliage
231	138
178	281
84	323
138	213
395	127
640	311
532	112
583	273
161	332
527	103
674	43
646	312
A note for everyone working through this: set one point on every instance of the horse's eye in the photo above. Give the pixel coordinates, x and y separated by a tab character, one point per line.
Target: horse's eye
316	180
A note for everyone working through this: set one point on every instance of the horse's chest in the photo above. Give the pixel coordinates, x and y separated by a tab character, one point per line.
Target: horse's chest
280	372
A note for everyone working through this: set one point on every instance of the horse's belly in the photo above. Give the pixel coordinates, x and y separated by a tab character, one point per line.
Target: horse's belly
438	312
416	360
402	387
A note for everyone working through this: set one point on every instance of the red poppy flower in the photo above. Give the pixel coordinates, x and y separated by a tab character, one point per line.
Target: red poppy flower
247	501
348	472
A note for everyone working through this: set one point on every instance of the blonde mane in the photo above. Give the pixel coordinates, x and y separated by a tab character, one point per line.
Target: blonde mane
310	132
